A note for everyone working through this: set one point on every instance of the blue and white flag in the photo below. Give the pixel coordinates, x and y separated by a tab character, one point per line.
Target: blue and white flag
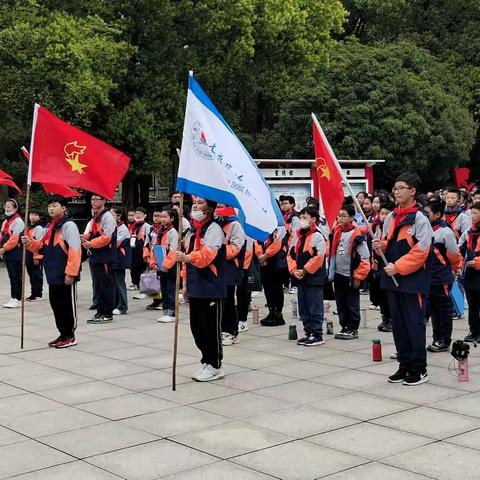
215	165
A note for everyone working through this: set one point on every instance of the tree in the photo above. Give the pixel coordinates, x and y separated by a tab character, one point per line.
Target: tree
391	102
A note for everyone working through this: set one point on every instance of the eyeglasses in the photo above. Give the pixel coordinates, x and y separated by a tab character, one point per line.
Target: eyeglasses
343	215
398	189
96	199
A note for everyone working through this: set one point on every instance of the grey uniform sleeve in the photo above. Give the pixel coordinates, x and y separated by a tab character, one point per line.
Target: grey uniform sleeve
423	232
237	235
280	233
18	226
109	224
363	251
214	237
386	226
172	239
463	239
88	227
450	241
71	235
465	222
318	242
39	232
295	224
122	234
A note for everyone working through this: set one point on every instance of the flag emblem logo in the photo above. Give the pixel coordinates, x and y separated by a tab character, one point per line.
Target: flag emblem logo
323	168
73	152
200	143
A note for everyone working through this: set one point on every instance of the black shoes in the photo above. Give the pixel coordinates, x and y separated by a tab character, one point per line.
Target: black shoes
472	338
439	346
346	334
385	326
273	320
403	376
399	376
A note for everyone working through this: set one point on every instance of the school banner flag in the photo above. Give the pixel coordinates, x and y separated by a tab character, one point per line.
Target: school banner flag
7	179
52	188
215	165
328	175
63	154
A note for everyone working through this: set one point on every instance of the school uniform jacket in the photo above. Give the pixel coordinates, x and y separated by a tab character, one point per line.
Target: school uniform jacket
446	257
292	224
62	253
205	275
124	252
274	248
101	230
409	247
308	253
11	231
235	245
35	232
150	239
138	237
470	250
168	238
458	221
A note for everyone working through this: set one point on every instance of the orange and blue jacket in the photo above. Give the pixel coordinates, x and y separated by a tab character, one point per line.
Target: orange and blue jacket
168	238
61	253
11	231
235	245
308	253
446	257
409	247
102	232
274	248
470	250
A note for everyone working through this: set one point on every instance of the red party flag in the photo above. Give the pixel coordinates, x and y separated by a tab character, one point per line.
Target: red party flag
52	188
328	175
63	154
7	179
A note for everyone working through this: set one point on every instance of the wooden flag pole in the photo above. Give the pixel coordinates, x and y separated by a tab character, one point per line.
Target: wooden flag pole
177	300
24	255
352	194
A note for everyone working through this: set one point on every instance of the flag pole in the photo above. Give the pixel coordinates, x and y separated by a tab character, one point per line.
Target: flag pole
177	292
349	188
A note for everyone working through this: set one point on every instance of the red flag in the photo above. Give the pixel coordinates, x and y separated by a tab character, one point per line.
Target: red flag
6	179
329	178
462	175
63	154
52	188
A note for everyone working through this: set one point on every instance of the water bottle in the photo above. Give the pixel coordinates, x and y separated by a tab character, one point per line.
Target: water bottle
329	327
294	309
376	350
292	332
463	370
363	317
255	315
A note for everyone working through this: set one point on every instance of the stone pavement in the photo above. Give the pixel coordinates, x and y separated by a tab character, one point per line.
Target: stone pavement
105	409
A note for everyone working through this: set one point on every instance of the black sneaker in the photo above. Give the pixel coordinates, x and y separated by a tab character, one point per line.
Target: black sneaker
341	332
416	379
301	341
154	306
268	318
385	326
472	338
313	341
438	346
274	321
32	298
347	335
399	376
93	307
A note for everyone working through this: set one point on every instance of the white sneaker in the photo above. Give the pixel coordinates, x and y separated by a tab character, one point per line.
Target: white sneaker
208	373
293	291
256	294
242	326
139	296
166	319
228	339
13	303
131	287
199	372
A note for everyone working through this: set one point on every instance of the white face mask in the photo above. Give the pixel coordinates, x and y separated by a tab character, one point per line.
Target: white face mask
304	224
9	214
198	215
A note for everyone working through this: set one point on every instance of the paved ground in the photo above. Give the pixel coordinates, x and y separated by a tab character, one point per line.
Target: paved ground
105	409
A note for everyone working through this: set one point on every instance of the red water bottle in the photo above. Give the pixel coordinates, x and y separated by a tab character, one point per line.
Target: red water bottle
376	350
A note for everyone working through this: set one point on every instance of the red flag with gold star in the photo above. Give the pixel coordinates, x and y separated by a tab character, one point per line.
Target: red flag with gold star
63	154
329	178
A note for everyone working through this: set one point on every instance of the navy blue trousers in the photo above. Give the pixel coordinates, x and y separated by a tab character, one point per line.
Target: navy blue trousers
441	312
310	308
348	303
408	326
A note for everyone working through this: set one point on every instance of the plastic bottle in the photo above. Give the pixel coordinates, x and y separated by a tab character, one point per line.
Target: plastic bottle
294	309
329	327
292	332
463	370
255	315
376	350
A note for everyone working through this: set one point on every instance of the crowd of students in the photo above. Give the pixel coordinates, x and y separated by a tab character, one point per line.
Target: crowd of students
428	241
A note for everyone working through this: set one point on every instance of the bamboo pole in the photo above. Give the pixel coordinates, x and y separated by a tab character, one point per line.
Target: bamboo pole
24	255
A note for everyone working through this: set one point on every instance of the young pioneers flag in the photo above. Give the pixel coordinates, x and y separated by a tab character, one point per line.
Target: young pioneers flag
63	154
215	165
53	188
7	179
328	174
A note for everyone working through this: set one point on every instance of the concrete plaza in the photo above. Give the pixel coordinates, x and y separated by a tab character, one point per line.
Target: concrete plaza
105	408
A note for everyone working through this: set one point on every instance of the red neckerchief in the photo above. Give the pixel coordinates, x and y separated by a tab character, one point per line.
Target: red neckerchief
399	215
438	225
46	238
286	216
473	233
163	232
156	227
131	227
95	222
337	235
137	226
8	222
198	230
303	233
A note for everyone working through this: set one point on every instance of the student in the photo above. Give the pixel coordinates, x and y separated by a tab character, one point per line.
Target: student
367	208
34	266
272	255
150	241
131	221
11	250
456	218
121	263
446	259
470	249
60	249
406	241
378	297
100	242
205	260
235	247
137	241
168	238
349	266
306	264
244	290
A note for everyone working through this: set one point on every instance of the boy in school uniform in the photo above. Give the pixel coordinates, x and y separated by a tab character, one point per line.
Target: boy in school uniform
349	266
446	259
455	216
407	243
60	248
205	260
34	266
139	233
470	250
306	264
148	255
